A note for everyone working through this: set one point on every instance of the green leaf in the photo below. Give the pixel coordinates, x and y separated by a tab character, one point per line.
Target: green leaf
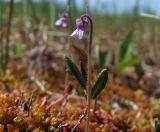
99	84
134	60
83	70
157	126
105	58
75	71
126	47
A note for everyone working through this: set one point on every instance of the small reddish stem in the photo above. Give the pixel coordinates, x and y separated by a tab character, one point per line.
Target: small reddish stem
61	99
57	102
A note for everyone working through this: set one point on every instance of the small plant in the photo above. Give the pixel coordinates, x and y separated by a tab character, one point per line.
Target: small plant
92	91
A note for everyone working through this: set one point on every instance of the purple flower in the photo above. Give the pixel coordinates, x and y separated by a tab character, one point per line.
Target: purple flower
62	21
81	26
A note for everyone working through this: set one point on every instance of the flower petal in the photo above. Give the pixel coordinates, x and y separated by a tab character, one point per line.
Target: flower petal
64	24
58	22
80	33
74	33
61	22
80	24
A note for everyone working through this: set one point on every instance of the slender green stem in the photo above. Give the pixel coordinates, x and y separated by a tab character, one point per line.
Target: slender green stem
52	12
1	24
24	8
69	17
1	12
33	10
11	5
1	53
86	6
89	68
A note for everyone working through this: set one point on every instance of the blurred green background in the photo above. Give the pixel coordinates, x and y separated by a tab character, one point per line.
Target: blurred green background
112	19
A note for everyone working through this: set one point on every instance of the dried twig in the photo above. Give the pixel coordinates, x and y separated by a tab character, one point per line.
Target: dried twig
64	127
63	106
80	120
40	85
36	81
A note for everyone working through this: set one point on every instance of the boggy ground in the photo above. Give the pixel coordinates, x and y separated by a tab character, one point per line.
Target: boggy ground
24	98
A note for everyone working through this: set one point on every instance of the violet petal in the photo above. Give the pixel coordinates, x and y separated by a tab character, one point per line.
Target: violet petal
80	33
62	21
79	24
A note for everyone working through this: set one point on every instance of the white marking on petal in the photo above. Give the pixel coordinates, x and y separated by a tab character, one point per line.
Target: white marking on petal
74	33
58	22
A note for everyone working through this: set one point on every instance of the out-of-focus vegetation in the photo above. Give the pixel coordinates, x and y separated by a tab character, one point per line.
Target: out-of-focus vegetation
38	91
113	25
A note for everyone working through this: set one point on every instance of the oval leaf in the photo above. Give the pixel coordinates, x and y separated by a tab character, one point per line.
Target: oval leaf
75	71
99	84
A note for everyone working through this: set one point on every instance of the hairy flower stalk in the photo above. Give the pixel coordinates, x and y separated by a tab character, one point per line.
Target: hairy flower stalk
89	69
68	46
64	21
81	24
